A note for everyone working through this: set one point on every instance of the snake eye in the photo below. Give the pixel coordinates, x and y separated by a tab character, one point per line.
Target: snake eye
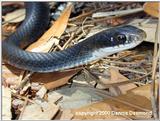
121	38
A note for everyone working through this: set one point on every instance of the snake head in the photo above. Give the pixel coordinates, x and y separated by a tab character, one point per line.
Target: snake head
118	39
126	36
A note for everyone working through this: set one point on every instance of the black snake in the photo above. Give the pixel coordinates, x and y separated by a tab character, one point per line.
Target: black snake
95	47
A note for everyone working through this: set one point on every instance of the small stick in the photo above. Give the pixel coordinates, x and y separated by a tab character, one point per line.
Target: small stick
126	69
127	81
22	97
123	63
21	76
123	56
91	12
68	41
25	80
59	47
79	37
84	27
154	66
24	106
117	13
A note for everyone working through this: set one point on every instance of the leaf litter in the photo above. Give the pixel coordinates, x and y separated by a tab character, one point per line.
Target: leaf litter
113	79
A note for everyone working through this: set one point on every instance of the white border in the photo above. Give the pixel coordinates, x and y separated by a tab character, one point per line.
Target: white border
66	1
86	0
0	66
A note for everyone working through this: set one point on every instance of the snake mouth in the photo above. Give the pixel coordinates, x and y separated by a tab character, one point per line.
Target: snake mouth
103	52
122	47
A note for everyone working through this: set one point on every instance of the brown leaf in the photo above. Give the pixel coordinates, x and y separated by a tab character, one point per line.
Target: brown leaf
129	103
18	3
103	108
143	90
66	115
117	77
56	30
152	8
34	112
54	79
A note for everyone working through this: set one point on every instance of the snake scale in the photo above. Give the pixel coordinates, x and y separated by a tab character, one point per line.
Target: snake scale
37	19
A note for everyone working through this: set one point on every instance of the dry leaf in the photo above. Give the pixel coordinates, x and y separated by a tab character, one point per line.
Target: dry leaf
53	79
15	16
152	8
66	115
128	103
56	30
99	110
18	3
116	77
53	96
34	112
143	90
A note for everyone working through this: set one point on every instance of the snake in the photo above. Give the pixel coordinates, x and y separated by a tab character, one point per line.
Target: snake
97	46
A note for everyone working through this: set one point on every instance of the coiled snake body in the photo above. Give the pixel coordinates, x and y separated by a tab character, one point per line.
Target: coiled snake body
97	46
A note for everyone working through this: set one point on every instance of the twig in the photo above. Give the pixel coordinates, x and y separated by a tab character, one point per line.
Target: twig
79	37
91	12
123	56
126	81
25	80
154	66
117	13
24	106
68	41
127	69
86	25
59	47
21	76
24	98
102	19
122	63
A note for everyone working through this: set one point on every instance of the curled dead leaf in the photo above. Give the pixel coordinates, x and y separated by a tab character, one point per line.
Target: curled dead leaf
44	43
152	8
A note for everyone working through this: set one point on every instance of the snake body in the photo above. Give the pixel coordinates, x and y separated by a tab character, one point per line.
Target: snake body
35	24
